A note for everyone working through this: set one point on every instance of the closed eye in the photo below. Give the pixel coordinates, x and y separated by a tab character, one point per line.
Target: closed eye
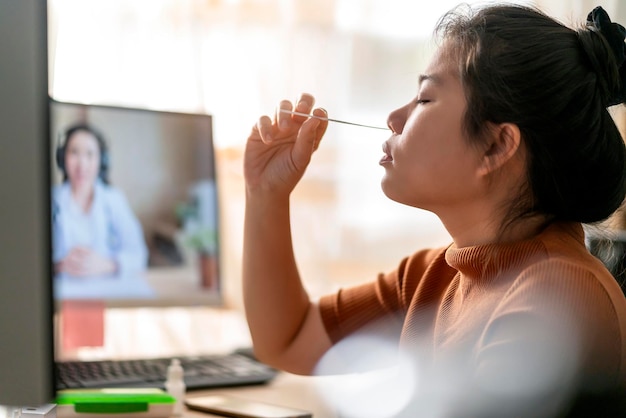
422	101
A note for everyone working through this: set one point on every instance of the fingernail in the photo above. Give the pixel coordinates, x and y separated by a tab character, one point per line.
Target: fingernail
301	105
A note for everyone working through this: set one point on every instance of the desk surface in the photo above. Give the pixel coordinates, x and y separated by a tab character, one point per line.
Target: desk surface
300	392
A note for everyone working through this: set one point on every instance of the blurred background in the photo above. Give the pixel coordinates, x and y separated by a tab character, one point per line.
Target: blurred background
236	59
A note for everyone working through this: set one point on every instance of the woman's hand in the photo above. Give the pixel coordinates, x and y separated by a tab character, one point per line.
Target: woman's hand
286	328
278	150
83	262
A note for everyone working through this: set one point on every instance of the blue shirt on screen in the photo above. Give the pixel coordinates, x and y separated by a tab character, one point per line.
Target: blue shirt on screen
109	227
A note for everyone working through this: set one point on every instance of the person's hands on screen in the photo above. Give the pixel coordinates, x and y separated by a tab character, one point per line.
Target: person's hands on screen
83	262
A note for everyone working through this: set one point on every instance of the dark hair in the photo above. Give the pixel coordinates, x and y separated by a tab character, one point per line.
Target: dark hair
520	66
103	171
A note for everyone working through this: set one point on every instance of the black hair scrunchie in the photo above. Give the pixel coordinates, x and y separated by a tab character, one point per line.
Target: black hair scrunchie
614	34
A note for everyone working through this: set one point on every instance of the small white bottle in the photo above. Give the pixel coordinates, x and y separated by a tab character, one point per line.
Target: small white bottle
175	386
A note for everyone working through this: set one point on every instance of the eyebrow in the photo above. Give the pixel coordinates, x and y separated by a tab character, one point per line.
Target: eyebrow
429	77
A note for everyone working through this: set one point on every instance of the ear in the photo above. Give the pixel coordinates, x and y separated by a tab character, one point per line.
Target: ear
504	143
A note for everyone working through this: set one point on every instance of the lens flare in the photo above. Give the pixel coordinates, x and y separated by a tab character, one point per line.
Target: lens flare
376	380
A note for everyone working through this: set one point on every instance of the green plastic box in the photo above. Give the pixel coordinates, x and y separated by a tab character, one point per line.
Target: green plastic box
114	402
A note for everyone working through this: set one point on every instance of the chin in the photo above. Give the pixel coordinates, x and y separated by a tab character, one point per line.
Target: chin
82	184
402	196
391	193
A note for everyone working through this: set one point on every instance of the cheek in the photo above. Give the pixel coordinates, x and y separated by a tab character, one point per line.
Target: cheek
427	175
421	150
71	162
94	165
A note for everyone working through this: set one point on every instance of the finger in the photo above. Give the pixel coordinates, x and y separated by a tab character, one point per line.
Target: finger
71	266
304	105
264	128
305	144
81	250
71	257
283	119
321	128
255	133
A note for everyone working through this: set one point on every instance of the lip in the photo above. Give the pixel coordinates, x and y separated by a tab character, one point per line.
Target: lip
386	158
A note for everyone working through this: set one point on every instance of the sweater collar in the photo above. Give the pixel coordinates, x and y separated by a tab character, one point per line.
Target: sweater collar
484	262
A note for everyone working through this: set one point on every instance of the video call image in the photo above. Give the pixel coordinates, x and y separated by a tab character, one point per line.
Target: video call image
133	206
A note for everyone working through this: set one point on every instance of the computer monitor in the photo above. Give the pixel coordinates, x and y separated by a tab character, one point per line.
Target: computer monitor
26	309
134	206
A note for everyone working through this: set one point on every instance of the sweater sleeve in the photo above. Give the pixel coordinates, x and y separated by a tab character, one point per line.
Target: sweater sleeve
380	305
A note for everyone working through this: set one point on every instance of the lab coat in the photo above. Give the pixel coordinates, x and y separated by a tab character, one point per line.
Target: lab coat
109	227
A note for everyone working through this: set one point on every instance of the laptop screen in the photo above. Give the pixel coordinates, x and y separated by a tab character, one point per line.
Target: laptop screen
134	206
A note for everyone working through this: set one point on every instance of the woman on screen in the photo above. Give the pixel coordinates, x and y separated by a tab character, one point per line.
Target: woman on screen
95	232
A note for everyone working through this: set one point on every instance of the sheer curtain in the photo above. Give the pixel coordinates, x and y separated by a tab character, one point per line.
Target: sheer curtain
235	59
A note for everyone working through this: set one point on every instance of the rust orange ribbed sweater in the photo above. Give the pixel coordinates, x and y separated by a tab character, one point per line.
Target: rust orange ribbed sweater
485	305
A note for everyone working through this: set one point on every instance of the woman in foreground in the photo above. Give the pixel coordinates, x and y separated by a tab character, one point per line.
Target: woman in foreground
509	142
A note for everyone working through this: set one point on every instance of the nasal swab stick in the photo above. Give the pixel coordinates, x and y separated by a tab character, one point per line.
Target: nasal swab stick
330	120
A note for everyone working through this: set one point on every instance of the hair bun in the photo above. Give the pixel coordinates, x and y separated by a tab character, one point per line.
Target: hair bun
613	33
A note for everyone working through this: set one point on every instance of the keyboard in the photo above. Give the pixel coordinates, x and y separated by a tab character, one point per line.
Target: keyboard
200	372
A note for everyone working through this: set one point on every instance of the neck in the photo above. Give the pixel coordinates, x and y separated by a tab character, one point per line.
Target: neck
480	226
83	196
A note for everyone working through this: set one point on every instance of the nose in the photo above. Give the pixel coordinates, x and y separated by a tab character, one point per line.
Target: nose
397	119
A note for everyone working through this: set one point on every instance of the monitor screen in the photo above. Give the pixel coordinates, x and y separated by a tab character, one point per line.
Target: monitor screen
134	206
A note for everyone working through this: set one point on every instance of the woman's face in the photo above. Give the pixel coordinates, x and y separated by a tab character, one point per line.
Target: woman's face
429	162
82	159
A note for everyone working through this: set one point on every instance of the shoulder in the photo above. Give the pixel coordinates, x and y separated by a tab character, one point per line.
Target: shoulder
110	193
568	262
424	258
580	280
419	262
575	288
578	296
562	278
563	271
563	262
60	192
426	269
